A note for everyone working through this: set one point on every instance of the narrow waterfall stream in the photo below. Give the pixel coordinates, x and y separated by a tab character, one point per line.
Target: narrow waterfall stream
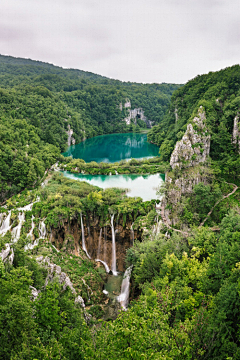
42	230
16	232
30	234
83	239
99	253
6	224
123	298
114	265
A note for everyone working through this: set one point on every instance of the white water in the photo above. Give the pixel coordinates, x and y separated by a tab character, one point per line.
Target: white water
105	265
42	230
114	267
124	296
5	224
16	232
30	234
83	239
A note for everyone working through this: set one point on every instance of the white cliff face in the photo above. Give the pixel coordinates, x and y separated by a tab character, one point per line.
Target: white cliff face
135	114
194	146
71	140
236	133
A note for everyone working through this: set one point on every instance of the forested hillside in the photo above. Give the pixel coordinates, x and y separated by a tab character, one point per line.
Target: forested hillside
219	94
40	102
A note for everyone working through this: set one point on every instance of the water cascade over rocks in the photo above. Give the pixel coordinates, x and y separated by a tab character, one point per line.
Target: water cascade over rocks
83	239
16	232
114	266
30	234
5	224
42	230
123	298
105	265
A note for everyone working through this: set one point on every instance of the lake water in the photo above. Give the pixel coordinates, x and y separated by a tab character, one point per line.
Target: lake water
112	148
143	186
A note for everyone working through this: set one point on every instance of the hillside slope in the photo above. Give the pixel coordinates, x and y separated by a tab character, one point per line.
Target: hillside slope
43	108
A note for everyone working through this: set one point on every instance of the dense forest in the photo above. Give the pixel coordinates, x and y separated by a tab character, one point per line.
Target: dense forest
219	94
39	102
184	255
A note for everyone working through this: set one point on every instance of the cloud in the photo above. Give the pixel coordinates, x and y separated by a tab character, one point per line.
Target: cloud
135	40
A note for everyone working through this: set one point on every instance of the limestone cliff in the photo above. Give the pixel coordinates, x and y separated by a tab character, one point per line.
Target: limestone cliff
71	140
98	239
194	146
134	114
236	132
188	162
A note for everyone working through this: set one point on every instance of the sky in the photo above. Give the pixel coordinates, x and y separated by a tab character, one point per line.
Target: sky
131	40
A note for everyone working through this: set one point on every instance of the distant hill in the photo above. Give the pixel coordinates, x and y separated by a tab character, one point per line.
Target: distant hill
41	105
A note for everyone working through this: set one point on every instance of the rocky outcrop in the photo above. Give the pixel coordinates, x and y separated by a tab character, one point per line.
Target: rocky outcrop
7	254
135	114
188	161
194	146
98	239
71	140
236	133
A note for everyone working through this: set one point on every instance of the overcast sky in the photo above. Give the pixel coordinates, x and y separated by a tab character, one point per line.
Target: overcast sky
131	40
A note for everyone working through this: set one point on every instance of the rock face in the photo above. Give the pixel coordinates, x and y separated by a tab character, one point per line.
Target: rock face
135	114
194	146
188	164
98	239
71	140
236	133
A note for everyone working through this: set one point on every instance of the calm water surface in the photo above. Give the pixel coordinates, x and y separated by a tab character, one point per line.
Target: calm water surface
143	186
112	148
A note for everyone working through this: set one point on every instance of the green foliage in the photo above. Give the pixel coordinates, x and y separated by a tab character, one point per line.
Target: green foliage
219	94
40	102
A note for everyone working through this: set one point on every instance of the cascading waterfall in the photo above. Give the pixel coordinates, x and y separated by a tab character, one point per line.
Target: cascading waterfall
123	298
83	239
114	266
99	252
42	230
105	265
16	232
30	234
5	224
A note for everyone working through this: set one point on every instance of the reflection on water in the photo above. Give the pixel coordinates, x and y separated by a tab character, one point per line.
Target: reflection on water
112	148
143	186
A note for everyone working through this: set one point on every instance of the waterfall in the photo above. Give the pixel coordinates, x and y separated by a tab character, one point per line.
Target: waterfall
16	232
42	230
114	267
30	234
124	296
5	224
105	265
99	244
83	239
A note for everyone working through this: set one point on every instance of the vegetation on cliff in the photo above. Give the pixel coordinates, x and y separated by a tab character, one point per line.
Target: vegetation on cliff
41	103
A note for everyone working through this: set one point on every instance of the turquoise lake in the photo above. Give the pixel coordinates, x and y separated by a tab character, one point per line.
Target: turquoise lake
144	186
113	147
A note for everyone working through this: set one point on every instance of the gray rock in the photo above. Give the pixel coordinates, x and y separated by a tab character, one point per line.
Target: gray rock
194	146
236	133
